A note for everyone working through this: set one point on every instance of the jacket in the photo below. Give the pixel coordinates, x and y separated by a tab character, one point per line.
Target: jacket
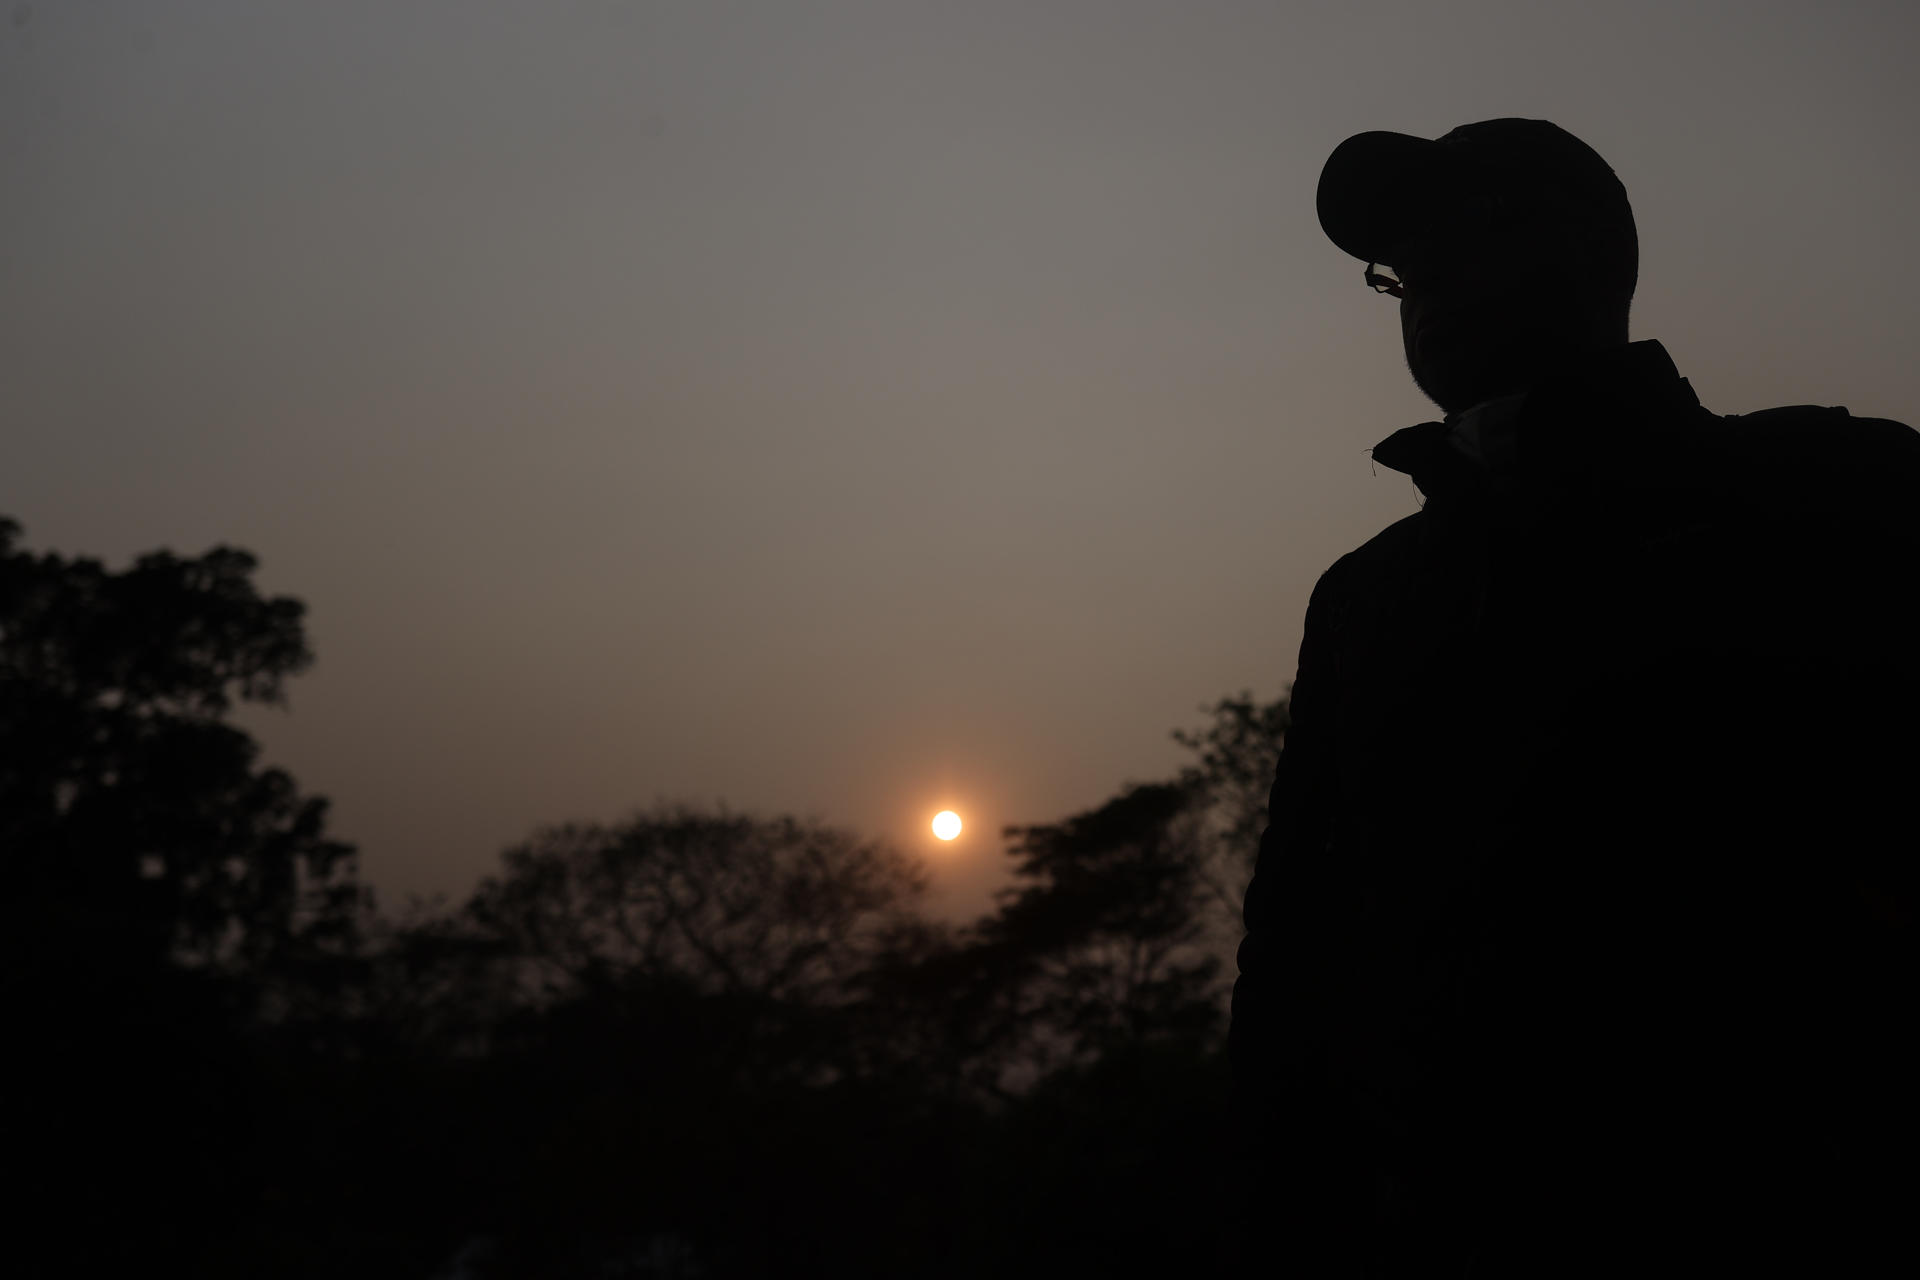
1582	919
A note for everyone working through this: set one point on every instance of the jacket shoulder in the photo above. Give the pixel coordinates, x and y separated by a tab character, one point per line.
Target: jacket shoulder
1820	458
1828	430
1391	545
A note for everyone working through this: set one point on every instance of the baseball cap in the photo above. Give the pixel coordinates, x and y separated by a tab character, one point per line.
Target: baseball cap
1379	188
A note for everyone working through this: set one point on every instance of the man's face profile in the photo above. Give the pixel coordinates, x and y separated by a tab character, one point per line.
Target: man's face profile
1488	309
1479	313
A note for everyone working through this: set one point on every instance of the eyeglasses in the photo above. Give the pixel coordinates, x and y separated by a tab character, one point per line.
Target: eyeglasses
1383	281
1462	263
1496	242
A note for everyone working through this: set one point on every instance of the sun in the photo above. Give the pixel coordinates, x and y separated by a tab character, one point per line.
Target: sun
946	824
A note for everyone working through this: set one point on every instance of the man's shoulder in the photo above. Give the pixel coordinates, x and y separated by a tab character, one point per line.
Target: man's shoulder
1791	459
1389	546
1822	459
1826	430
1823	432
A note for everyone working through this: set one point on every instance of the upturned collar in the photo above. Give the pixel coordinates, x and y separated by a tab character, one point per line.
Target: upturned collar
1564	427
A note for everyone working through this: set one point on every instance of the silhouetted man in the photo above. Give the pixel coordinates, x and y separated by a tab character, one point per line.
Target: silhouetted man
1581	938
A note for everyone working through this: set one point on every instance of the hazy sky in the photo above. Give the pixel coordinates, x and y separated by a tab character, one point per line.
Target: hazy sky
850	409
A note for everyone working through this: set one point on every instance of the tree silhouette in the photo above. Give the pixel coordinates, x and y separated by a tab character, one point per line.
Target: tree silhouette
1097	943
661	1018
728	1039
133	817
167	903
1237	752
1118	930
727	903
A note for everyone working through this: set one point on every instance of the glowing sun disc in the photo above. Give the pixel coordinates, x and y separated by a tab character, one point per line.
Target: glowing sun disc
946	824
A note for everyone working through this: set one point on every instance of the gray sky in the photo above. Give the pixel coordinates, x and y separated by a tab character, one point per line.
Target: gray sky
842	408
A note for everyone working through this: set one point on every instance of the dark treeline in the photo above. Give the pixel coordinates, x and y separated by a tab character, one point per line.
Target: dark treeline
694	1042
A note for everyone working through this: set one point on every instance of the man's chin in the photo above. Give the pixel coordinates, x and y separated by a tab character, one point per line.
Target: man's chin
1453	388
1457	371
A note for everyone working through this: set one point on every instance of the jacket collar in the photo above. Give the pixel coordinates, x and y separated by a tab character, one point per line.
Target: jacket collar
1562	428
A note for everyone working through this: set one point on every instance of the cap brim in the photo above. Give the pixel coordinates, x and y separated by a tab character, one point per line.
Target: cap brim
1373	189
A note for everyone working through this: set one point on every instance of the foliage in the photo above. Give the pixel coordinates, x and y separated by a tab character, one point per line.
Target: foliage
1237	751
177	924
689	1043
1098	935
1237	754
726	903
132	816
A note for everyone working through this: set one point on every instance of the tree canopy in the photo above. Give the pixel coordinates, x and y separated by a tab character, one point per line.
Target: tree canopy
690	1041
130	811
